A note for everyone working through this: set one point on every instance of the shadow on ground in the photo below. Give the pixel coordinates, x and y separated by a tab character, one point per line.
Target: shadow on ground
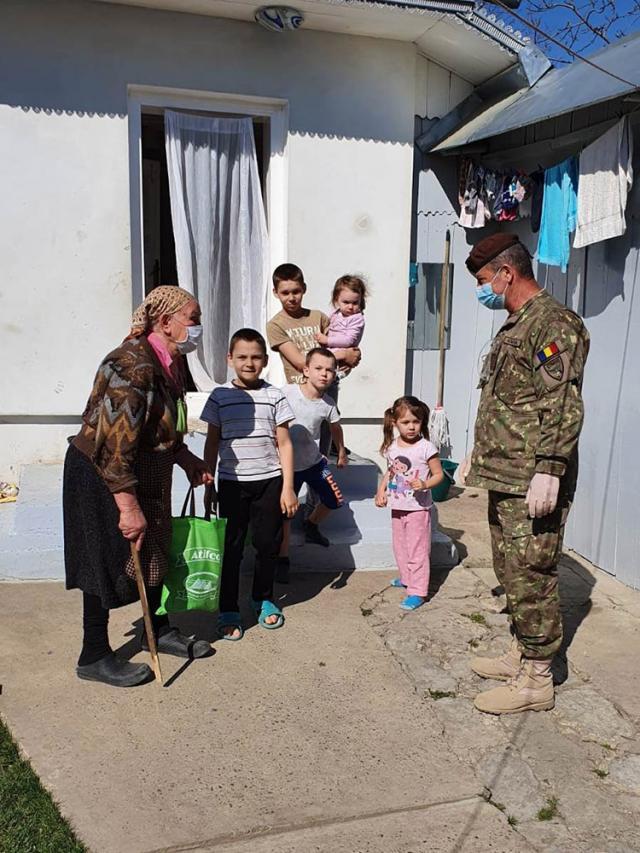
576	585
301	587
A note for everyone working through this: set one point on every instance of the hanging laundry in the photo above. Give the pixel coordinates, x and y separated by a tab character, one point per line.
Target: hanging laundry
510	204
536	195
486	194
473	210
559	208
606	175
493	183
523	187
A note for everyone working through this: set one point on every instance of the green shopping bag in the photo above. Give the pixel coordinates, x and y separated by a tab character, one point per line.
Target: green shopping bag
195	562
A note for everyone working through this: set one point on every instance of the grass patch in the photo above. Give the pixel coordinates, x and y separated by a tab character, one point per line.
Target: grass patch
442	694
478	618
473	643
607	746
549	811
511	820
29	819
366	611
600	773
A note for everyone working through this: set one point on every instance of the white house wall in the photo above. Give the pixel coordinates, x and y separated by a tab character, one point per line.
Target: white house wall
65	210
437	92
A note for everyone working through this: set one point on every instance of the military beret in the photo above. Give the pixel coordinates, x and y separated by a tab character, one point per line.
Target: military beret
488	249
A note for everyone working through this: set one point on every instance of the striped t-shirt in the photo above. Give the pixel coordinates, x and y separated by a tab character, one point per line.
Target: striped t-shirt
247	419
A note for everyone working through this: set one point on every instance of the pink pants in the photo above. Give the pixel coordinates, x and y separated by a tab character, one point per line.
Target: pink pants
411	532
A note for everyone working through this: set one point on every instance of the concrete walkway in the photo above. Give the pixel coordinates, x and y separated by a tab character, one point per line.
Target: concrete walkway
305	739
352	730
578	766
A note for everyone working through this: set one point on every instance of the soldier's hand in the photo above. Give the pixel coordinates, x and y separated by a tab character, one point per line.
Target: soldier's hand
463	470
542	495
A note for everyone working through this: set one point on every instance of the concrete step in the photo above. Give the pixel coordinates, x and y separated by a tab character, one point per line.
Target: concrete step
31	540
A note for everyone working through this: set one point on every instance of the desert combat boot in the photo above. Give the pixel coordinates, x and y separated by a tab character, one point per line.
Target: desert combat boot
530	690
502	668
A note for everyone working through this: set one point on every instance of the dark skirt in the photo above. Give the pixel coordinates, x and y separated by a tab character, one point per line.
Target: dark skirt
97	556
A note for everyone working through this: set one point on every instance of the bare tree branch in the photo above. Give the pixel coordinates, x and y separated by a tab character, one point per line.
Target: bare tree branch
581	25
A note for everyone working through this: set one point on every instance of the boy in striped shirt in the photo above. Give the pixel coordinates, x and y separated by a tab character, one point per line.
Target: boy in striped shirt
248	440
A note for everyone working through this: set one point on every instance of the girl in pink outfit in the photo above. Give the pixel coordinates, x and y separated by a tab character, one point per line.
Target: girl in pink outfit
413	469
346	322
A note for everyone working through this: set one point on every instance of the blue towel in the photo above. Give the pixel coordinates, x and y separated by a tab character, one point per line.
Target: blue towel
559	209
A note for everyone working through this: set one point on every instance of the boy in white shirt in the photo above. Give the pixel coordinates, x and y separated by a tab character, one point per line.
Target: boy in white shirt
311	408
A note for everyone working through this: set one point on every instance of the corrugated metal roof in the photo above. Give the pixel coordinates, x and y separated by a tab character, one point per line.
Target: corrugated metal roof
560	91
465	10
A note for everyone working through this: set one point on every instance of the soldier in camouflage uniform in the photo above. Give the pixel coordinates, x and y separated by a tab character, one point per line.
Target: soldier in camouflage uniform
526	454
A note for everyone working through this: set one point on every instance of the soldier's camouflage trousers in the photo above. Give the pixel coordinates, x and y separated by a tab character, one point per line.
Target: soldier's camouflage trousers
525	558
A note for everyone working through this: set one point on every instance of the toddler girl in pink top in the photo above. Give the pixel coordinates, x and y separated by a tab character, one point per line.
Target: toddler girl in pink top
413	469
346	321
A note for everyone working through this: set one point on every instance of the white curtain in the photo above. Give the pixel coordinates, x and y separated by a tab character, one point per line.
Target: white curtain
220	231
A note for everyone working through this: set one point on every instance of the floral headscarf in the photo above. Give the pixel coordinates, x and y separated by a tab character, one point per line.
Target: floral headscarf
166	299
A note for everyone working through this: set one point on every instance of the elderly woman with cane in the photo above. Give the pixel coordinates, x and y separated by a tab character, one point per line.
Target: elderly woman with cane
117	482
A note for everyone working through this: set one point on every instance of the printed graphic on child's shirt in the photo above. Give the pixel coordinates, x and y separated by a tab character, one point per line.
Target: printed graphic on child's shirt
404	466
299	330
401	476
304	338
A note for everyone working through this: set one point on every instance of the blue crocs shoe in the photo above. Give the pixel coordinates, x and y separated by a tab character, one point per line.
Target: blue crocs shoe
397	583
412	602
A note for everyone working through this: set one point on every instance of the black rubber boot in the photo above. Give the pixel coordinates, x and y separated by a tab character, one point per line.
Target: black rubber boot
171	642
115	672
312	534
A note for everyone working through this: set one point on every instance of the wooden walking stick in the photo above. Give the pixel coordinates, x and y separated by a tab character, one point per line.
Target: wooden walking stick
146	615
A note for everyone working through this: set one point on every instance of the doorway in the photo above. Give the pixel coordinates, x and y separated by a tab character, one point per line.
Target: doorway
159	251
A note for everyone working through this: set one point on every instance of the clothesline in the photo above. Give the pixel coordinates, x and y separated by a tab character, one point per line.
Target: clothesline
585	193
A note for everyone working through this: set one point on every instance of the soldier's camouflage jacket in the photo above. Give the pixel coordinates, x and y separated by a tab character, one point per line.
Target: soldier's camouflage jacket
530	412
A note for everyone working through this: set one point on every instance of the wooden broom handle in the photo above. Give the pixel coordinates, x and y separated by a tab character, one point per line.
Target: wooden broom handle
444	288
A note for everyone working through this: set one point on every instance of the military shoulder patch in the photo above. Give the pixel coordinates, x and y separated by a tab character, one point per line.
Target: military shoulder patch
547	353
555	370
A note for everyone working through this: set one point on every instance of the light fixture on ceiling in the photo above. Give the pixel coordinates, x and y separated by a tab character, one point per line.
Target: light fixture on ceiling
278	18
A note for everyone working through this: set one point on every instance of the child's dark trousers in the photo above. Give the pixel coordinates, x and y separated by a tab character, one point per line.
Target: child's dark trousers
255	503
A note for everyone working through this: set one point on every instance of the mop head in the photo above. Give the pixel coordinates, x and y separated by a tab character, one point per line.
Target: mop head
439	428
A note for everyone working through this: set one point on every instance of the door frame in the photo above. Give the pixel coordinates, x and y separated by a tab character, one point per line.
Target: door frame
276	110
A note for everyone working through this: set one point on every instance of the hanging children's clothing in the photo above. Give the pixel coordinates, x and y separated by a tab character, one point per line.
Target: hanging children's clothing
473	210
485	194
606	175
559	206
537	194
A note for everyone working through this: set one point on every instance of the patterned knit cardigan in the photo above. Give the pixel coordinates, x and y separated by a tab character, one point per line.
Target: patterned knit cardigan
132	409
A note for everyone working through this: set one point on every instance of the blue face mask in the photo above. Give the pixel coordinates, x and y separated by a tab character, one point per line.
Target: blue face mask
486	296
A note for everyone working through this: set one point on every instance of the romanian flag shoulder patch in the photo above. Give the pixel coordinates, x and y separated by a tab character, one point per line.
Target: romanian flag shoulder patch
547	352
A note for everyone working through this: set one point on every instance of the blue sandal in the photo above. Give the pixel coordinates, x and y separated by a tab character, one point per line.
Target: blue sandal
397	583
265	609
230	619
412	602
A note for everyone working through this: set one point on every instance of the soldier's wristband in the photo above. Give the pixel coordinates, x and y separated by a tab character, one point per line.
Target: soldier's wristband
551	466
